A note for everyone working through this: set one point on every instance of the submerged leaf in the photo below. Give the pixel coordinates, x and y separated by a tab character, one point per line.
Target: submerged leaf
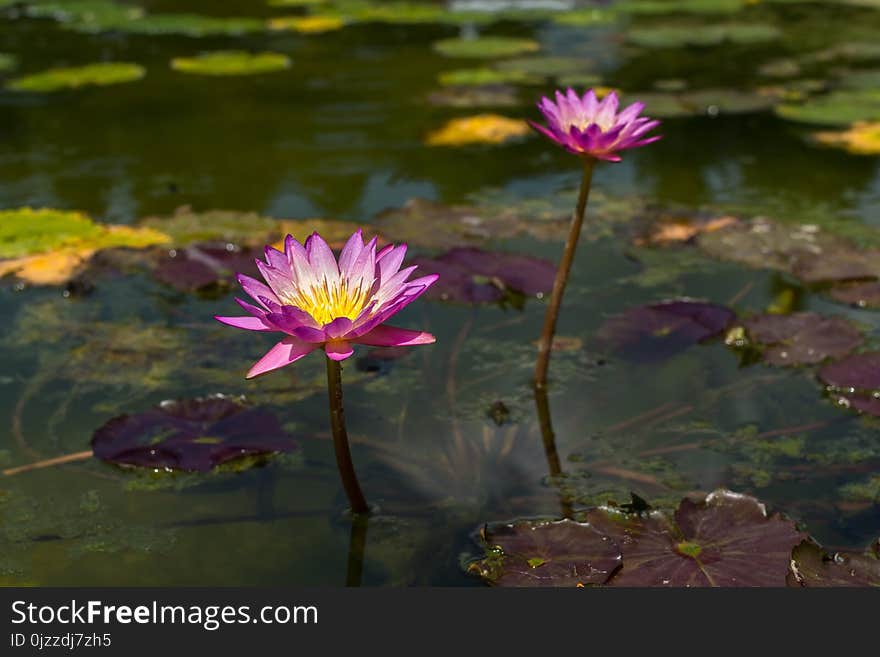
660	330
81	76
561	553
231	62
480	129
193	435
802	338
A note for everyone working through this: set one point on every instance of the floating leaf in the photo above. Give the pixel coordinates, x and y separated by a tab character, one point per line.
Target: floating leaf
725	539
680	6
191	25
678	36
863	138
703	102
198	267
242	228
472	275
231	62
485	76
802	338
561	553
855	381
661	330
494	95
193	435
838	108
479	129
485	47
812	567
436	225
546	66
863	295
314	24
7	62
81	76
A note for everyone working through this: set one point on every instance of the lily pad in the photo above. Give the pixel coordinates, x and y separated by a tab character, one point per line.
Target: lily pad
193	435
493	95
472	275
242	228
563	553
703	102
7	62
863	138
314	24
863	295
855	381
812	567
679	36
838	108
680	6
484	76
485	47
660	330
435	225
479	129
231	62
199	267
547	66
101	75
725	539
191	25
802	338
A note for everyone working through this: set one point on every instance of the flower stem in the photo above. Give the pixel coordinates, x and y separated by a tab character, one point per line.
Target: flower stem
357	544
552	314
340	439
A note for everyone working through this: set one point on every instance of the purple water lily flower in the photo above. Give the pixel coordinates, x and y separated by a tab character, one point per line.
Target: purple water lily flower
318	302
587	126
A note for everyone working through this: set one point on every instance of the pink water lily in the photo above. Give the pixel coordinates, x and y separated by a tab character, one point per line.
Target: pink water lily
321	302
587	126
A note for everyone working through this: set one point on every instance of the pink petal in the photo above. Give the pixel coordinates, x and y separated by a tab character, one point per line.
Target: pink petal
248	323
255	289
338	350
321	258
391	336
337	328
351	250
390	263
289	350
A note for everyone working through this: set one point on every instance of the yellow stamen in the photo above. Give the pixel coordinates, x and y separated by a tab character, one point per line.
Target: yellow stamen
326	302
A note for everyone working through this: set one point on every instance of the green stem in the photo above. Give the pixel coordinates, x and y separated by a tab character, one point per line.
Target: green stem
552	315
340	439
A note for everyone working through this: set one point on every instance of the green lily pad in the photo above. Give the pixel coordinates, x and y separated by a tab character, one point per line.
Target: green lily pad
7	62
295	3
837	108
81	76
812	566
848	51
85	15
493	95
191	25
485	47
585	17
702	102
231	62
546	66
479	77
680	6
679	36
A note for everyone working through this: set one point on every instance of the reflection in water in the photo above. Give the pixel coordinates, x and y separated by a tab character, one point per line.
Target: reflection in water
356	547
546	422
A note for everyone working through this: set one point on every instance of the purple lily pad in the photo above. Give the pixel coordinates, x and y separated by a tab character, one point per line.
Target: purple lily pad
802	338
200	267
472	275
812	567
559	554
660	330
724	539
856	381
193	435
863	295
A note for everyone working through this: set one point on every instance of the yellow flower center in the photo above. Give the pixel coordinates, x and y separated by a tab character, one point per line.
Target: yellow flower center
325	302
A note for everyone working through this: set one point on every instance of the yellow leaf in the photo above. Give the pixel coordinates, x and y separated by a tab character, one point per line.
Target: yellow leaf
480	129
862	138
47	268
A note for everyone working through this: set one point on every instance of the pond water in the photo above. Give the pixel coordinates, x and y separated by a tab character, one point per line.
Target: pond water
445	437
